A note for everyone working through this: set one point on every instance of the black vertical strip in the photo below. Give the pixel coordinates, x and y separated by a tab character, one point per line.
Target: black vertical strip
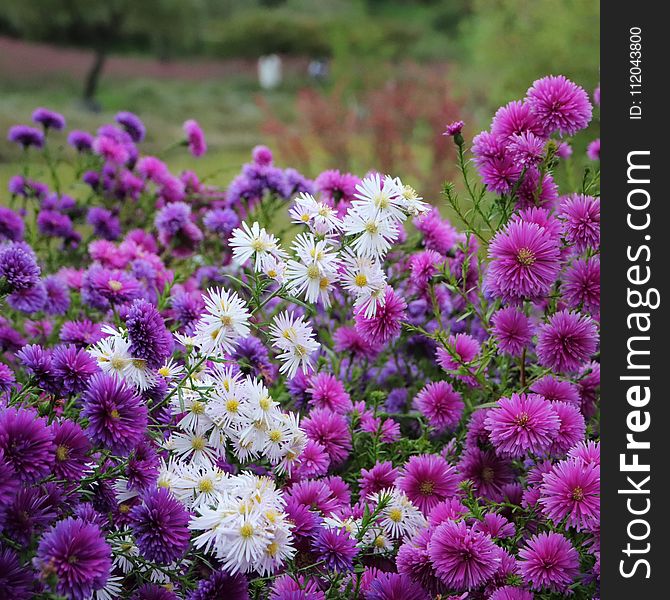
635	265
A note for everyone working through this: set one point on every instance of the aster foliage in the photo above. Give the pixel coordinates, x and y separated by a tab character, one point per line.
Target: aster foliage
295	388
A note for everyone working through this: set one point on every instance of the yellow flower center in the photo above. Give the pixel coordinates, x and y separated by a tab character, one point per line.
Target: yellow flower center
361	280
313	272
395	514
198	443
427	487
198	408
247	530
114	414
371	227
206	486
525	256
232	405
115	285
275	435
62	452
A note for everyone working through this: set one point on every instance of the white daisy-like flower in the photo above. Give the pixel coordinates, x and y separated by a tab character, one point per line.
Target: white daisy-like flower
379	198
413	204
255	241
194	445
199	485
112	353
194	408
399	518
295	338
111	590
365	279
225	321
304	208
124	551
259	407
275	268
375	234
171	370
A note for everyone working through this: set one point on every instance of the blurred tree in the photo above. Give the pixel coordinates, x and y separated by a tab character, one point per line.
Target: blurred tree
161	26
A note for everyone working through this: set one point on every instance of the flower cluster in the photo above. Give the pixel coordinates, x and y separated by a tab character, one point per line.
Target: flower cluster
294	388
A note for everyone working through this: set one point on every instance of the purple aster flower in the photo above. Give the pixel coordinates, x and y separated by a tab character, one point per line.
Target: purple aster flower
535	191
143	467
571	491
187	306
336	187
556	390
524	261
102	288
548	560
7	379
559	104
80	333
413	560
114	152
395	586
221	221
18	269
58	296
428	479
9	484
221	585
453	129
349	341
176	230
297	183
132	124
515	118
509	592
37	362
27	443
252	358
488	472
396	401
496	526
26	136
105	224
72	367
49	119
149	338
463	558
16	579
160	526
30	300
331	430
582	221
526	149
572	427
314	460
512	330
440	404
498	170
380	477
53	223
153	591
11	225
195	138
462	350
438	234
81	141
326	391
336	548
385	326
117	417
521	424
76	553
295	587
566	341
30	511
423	266
581	284
587	451
72	448
593	150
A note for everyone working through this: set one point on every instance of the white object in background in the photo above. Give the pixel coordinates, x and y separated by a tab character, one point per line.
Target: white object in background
269	71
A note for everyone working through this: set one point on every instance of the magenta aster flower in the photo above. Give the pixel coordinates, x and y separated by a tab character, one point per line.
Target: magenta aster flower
384	327
76	552
581	284
515	118
438	234
488	472
160	526
331	430
521	424
132	124
571	430
454	128
495	525
428	479
103	288
27	443
326	391
593	150
462	349
463	558
117	416
526	149
336	548
509	592
413	560
380	477
581	216
451	509
337	187
559	104
314	460
588	451
440	404
556	390
566	341
395	586
314	494
571	491
548	560
512	330
524	262
195	138
295	587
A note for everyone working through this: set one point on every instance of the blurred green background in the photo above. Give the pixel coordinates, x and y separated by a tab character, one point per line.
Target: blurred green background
397	72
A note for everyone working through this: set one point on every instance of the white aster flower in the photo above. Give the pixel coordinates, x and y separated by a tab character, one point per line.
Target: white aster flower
375	234
226	319
255	241
377	198
295	338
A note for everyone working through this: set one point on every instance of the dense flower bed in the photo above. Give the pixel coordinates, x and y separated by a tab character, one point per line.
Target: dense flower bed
300	389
